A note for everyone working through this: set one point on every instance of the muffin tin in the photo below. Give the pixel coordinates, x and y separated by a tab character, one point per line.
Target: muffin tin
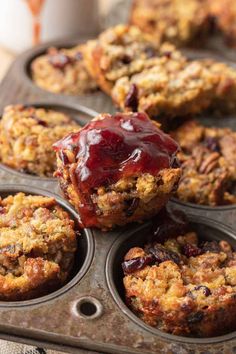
88	314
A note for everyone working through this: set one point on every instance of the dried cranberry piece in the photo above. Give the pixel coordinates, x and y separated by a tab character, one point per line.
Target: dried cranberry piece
205	289
131	100
39	121
195	317
162	254
126	59
211	246
167	54
59	61
132	265
190	250
212	144
2	210
168	224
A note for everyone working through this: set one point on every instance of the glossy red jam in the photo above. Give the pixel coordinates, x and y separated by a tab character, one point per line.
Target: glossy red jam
114	147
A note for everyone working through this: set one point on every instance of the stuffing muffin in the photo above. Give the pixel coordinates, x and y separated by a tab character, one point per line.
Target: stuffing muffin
37	246
208	161
178	88
176	21
143	75
62	71
183	285
123	51
27	135
117	169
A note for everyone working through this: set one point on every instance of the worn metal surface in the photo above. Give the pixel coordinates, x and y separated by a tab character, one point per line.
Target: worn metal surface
53	320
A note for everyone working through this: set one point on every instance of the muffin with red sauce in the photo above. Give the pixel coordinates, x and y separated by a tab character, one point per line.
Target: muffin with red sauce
182	284
117	169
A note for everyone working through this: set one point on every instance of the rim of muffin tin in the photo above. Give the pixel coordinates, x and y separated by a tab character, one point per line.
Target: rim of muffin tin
78	108
203	207
113	287
25	59
86	233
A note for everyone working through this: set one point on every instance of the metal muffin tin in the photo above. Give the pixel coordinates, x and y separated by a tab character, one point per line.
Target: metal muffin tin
88	314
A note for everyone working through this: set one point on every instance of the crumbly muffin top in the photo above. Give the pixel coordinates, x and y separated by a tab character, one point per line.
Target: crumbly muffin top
37	244
27	135
208	162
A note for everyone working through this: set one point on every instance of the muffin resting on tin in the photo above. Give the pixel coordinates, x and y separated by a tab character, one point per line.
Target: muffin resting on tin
124	51
27	135
37	246
143	75
176	87
183	286
117	169
176	21
62	71
208	161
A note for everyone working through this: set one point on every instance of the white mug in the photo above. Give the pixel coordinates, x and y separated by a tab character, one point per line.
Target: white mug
57	19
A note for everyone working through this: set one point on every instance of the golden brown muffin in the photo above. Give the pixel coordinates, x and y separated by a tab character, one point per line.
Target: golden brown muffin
117	169
143	75
208	160
183	286
123	51
178	88
37	246
62	71
27	135
176	21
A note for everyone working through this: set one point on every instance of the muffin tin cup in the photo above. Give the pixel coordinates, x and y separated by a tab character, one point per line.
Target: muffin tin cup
19	86
83	256
88	313
206	228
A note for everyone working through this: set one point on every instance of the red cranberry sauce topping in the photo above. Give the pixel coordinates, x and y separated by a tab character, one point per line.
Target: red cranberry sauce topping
118	146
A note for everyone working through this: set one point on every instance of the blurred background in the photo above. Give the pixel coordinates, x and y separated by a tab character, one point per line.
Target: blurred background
24	23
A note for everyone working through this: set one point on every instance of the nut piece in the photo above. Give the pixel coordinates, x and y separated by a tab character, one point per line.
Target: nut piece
208	160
